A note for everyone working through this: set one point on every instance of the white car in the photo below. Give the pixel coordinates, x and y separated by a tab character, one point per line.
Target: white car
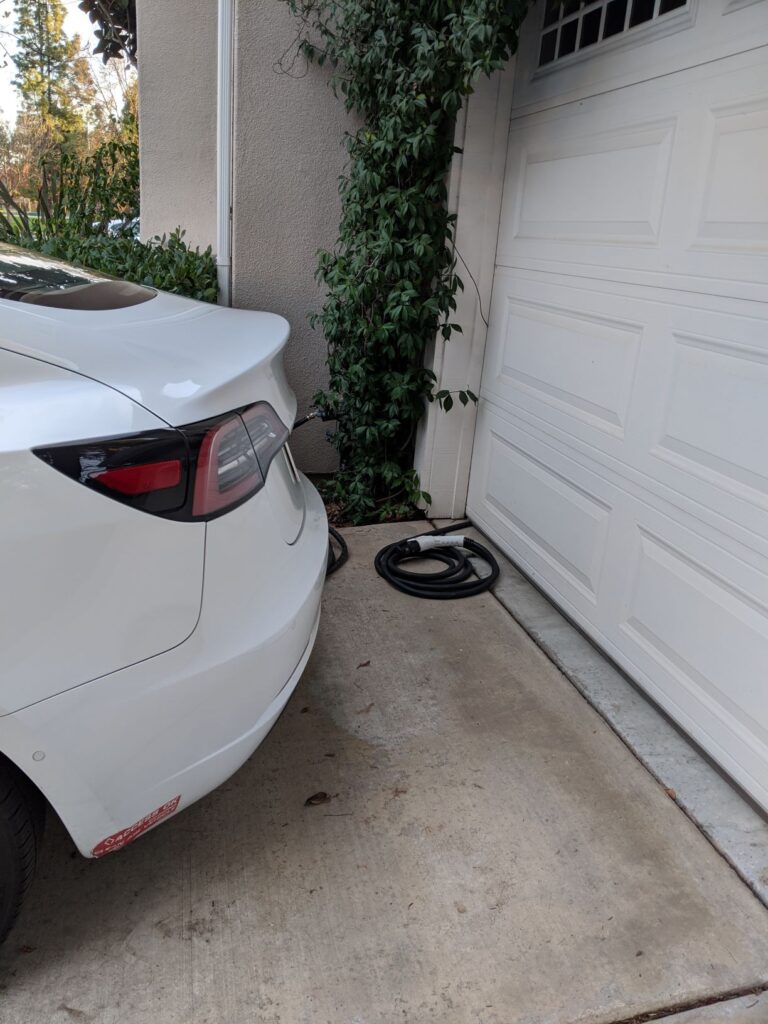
161	560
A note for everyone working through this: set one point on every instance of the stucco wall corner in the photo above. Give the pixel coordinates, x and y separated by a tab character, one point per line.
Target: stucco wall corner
289	154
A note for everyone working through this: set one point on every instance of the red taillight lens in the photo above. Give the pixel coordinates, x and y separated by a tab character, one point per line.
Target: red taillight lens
154	476
227	469
198	471
147	471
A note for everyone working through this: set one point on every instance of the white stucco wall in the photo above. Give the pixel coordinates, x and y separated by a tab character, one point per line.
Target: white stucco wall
287	160
177	118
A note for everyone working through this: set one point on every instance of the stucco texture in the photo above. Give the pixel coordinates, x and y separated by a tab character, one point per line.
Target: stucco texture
288	157
177	118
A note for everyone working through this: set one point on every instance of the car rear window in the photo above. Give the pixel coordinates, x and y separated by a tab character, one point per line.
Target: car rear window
31	277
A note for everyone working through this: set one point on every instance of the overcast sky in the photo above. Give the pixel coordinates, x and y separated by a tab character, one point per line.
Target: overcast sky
76	21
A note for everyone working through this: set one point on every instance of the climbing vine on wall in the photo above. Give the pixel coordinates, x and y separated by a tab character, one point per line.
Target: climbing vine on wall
404	67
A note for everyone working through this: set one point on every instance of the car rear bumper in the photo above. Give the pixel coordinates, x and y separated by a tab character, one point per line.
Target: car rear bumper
120	753
195	780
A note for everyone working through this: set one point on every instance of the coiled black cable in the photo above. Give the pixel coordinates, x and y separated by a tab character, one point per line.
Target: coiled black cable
457	580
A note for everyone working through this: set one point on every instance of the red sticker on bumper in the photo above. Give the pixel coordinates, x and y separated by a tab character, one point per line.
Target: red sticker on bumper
127	835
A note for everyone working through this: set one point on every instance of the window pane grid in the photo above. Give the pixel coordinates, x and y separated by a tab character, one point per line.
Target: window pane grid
573	25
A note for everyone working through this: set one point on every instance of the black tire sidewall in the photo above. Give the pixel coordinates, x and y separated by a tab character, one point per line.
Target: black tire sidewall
21	822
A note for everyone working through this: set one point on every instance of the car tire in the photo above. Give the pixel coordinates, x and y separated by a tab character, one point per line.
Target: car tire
22	816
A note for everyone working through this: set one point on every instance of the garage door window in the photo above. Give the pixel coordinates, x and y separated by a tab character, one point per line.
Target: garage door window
576	25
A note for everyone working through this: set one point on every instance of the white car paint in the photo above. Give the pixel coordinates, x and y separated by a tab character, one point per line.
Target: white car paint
182	360
144	659
94	585
619	455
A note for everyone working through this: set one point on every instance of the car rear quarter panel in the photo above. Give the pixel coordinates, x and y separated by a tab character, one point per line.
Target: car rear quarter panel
110	753
89	585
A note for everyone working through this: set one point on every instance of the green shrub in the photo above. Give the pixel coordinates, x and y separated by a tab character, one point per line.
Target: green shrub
167	263
77	201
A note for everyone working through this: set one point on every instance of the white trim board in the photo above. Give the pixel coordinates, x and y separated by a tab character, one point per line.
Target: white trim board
444	440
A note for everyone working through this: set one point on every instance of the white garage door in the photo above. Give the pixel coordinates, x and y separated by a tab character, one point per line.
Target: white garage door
621	453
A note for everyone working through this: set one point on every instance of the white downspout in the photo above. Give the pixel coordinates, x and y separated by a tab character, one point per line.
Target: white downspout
224	90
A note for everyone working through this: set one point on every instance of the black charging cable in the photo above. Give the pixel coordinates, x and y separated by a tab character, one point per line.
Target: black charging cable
314	415
457	580
338	552
336	559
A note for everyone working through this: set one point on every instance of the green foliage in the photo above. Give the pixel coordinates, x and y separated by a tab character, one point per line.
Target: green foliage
76	204
80	196
167	263
405	67
116	27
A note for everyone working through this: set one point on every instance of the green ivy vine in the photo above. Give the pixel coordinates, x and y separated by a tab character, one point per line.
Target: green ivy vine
404	67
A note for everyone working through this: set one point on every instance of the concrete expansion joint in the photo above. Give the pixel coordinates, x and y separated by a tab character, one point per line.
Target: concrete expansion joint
678	1014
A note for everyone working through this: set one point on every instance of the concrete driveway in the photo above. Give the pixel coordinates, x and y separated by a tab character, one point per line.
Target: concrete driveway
491	853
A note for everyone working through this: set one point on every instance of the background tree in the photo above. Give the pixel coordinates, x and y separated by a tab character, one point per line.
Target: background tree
52	72
5	143
27	150
6	159
117	95
55	87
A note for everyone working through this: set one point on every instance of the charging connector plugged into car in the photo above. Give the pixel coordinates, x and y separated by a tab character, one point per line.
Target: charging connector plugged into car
317	413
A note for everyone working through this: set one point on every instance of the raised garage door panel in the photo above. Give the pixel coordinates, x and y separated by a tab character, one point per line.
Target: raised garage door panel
694	621
558	511
660	178
663	395
620	454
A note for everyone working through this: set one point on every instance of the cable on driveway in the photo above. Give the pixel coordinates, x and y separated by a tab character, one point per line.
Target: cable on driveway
457	580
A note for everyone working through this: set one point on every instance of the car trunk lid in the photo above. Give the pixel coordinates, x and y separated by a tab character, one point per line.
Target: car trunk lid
184	361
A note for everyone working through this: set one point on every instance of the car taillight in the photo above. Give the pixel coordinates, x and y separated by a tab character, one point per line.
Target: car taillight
227	469
148	471
142	479
267	433
194	472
